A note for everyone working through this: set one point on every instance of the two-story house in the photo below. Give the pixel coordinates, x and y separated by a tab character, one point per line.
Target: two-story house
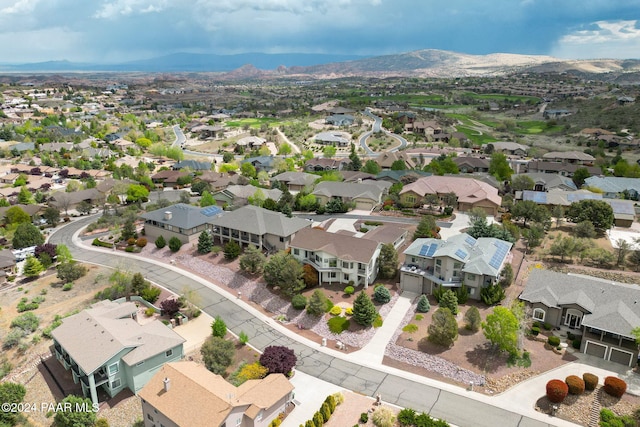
363	196
106	348
337	257
187	394
430	263
601	311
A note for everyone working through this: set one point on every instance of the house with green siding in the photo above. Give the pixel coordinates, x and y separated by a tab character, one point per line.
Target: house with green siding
106	348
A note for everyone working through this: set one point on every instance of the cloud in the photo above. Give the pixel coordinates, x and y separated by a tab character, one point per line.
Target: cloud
601	39
19	7
110	10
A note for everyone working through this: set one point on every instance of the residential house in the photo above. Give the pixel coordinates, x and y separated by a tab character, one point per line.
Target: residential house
549	181
251	142
339	120
430	263
168	178
508	147
471	193
183	221
64	201
251	225
555	114
385	234
564	169
468	164
319	164
406	176
337	257
192	165
185	393
424	128
238	195
603	313
575	157
363	196
388	158
7	264
106	348
296	181
217	180
332	138
261	163
613	187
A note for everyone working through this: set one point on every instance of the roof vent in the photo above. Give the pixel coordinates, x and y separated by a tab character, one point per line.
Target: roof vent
167	215
167	384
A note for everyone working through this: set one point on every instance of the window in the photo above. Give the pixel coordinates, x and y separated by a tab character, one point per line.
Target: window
140	363
296	251
332	274
259	417
169	353
115	383
471	277
333	263
345	276
150	417
113	368
282	239
411	199
238	421
539	314
471	291
457	265
438	262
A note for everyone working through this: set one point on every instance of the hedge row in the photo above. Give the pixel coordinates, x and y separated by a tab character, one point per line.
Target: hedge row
557	390
326	410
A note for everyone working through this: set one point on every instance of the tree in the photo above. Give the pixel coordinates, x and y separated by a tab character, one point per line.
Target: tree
27	235
449	300
381	294
329	151
175	244
499	167
562	247
170	306
388	261
248	170
580	175
426	228
558	213
450	199
84	207
472	319
634	259
51	215
70	271
137	193
356	163
15	215
160	242
207	199
205	242
423	304
507	275
501	329
32	267
398	165
284	271
364	312
522	182
63	255
278	359
600	256
317	303
443	329
78	412
598	212
370	166
128	230
528	210
585	229
138	284
25	197
431	200
10	393
217	354
310	276
218	327
253	260
231	250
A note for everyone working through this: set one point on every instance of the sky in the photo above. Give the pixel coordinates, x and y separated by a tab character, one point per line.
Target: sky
114	31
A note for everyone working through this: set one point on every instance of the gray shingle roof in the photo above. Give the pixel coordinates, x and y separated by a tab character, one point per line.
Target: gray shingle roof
372	190
612	307
183	216
259	221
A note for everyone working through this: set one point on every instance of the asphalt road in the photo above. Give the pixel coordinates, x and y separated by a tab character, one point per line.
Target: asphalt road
377	127
457	409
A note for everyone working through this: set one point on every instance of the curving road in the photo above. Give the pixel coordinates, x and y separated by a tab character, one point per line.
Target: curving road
441	400
377	127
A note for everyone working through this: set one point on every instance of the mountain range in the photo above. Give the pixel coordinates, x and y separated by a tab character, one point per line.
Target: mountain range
421	63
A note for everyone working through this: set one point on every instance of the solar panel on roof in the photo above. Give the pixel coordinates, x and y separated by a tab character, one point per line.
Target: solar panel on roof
461	254
210	211
539	197
423	250
432	249
470	240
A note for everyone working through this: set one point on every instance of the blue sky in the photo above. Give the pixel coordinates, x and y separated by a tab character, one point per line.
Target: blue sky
109	31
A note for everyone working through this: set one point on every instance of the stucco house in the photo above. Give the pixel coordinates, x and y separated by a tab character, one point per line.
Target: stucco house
238	195
332	138
183	221
106	348
387	159
601	311
509	147
430	263
471	193
613	187
251	225
318	164
296	181
364	196
188	394
561	168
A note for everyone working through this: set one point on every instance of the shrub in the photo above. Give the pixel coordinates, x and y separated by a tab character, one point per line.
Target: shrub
553	341
336	310
231	250
348	311
129	249
338	324
419	317
410	328
218	327
150	294
318	419
149	312
349	290
325	411
576	343
590	381
614	386
175	244
170	306
278	359
407	417
28	322
131	241
331	401
423	304
364	418
472	319
243	338
535	330
299	302
382	295
557	391
67	287
576	384
141	242
383	417
547	326
160	242
13	338
338	397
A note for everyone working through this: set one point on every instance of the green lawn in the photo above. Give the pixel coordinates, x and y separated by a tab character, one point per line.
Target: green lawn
535	127
499	97
472	134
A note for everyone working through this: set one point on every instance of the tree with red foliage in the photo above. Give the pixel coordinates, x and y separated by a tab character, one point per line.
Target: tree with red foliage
310	276
278	359
170	306
557	390
46	248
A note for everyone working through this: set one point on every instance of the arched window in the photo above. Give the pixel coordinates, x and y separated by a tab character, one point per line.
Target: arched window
539	314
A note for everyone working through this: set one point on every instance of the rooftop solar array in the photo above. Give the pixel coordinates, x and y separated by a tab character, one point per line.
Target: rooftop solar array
539	197
576	197
428	250
211	211
621	207
461	254
502	249
470	240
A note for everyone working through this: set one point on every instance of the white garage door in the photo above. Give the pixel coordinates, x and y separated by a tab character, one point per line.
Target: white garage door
621	356
364	205
411	283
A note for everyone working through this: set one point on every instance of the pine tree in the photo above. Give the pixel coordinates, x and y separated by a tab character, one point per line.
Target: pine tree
450	301
218	327
472	319
423	304
356	163
160	242
364	312
205	242
317	303
32	267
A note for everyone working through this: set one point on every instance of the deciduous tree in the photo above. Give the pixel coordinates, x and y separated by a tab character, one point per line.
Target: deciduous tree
501	329
278	359
284	271
217	354
253	260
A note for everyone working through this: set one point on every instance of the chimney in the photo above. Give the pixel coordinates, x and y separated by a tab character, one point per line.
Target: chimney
167	384
167	215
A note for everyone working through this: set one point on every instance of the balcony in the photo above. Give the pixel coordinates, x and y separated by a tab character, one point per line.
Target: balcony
429	274
320	267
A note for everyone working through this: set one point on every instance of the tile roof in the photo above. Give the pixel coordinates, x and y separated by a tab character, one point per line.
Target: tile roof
610	306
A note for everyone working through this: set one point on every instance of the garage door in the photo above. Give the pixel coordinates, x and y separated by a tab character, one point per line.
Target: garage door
411	283
595	349
620	356
363	205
